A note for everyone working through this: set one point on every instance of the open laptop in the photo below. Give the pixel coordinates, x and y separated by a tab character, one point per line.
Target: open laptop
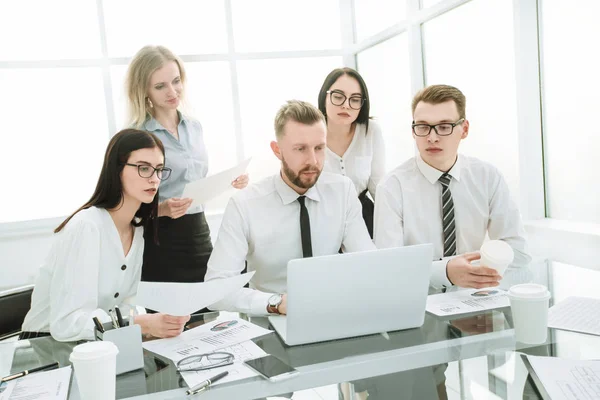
354	294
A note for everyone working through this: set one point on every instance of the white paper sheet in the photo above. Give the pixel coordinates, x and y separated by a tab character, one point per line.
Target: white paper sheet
466	301
212	186
237	371
46	385
568	379
185	298
578	314
206	338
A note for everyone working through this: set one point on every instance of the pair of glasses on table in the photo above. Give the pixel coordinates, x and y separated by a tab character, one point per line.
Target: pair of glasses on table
201	362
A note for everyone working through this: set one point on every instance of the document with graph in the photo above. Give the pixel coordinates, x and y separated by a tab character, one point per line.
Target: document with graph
206	338
565	379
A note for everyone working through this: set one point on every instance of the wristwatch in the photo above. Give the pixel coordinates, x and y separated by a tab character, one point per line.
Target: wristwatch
273	304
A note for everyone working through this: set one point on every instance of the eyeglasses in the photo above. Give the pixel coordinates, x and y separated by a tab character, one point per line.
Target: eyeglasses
339	98
146	171
201	362
444	129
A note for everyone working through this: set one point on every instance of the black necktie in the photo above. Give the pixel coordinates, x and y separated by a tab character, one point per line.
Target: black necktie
448	217
305	229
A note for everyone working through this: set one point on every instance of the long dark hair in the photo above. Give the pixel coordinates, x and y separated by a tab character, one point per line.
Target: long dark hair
363	115
109	189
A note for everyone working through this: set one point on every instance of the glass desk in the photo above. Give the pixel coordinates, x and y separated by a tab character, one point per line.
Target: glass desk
407	363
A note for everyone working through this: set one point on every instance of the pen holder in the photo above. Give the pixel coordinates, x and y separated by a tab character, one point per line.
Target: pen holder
128	340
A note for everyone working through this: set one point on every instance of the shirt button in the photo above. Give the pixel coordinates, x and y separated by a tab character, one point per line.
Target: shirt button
123	267
116	295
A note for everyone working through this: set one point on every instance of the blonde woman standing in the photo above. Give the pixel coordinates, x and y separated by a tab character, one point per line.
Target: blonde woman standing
155	86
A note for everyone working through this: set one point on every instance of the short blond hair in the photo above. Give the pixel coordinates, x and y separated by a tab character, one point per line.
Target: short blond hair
436	94
299	111
141	68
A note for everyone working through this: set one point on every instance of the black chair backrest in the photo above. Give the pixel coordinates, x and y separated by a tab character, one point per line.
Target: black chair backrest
14	305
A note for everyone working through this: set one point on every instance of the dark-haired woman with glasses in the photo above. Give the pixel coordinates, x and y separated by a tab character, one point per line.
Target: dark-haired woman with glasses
95	262
355	146
155	88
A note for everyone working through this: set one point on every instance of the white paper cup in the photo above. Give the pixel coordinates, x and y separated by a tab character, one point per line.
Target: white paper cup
496	254
529	305
95	365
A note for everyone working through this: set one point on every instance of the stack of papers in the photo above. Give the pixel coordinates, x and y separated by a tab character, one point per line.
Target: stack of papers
467	301
578	314
46	385
231	335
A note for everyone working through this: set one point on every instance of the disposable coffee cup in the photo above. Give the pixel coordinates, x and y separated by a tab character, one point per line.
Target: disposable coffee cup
529	305
95	365
496	254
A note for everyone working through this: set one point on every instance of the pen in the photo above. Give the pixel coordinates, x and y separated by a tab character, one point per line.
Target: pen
119	316
29	371
205	384
113	317
98	324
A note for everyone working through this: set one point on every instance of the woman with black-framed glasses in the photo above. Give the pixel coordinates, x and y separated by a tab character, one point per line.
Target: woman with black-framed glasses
95	261
155	87
355	146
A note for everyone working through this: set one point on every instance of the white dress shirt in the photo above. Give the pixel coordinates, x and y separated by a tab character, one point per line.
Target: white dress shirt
261	225
364	159
408	211
84	275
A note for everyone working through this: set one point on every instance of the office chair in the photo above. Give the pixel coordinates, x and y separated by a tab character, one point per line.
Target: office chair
15	304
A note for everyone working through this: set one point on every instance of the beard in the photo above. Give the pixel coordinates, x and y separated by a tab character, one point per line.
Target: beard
296	178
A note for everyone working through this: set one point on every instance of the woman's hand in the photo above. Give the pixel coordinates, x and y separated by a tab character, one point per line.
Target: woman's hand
161	325
240	182
174	207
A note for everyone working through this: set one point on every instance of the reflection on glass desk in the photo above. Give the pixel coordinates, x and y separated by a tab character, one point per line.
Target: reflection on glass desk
488	336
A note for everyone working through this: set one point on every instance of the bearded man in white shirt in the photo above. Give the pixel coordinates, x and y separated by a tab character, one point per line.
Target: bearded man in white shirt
412	208
263	224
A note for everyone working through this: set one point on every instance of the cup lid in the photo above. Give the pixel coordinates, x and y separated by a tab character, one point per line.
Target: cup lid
497	251
529	291
93	350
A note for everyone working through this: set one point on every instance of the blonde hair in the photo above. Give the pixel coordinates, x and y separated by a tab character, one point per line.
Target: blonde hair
147	60
299	111
436	94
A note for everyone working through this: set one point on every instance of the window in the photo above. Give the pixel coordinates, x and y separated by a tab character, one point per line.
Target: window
385	69
54	141
570	93
472	48
373	16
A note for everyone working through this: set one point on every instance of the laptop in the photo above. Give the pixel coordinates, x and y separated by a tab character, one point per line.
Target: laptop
354	294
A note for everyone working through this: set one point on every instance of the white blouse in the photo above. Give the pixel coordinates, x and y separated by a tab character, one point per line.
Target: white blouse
85	274
364	160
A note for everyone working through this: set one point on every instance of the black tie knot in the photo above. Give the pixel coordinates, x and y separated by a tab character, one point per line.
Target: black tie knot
445	180
301	200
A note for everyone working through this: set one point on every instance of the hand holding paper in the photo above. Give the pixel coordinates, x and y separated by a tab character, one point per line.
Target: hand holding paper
212	186
185	298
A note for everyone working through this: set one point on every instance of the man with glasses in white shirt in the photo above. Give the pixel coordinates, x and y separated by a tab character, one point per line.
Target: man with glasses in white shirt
300	212
448	199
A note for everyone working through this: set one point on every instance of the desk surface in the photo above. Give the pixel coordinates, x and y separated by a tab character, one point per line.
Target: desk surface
363	360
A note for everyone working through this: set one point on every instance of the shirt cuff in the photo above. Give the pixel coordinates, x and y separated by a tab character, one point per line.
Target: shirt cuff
439	276
260	301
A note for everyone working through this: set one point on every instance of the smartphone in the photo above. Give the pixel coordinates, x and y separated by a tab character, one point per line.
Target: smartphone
270	367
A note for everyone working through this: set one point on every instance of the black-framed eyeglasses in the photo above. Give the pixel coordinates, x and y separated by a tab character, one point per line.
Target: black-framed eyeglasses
146	171
339	98
443	129
201	362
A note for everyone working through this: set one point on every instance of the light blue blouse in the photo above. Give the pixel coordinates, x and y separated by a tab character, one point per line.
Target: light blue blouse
187	157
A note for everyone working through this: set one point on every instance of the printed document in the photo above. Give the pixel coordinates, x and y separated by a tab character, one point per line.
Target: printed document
568	379
466	301
578	314
206	338
241	352
45	385
185	298
212	186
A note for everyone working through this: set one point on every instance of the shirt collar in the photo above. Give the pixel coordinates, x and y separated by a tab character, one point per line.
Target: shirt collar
433	175
152	124
289	195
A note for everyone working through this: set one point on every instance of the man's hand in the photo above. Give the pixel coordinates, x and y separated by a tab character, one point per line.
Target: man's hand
283	306
462	273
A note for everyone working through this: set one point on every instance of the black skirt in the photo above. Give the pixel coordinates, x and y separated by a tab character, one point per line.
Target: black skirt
182	252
